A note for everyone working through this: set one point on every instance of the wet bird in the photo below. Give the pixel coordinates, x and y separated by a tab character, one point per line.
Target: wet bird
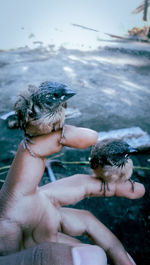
41	110
111	163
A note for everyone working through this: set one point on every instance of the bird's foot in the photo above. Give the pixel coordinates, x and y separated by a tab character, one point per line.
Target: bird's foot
26	141
132	184
104	187
62	134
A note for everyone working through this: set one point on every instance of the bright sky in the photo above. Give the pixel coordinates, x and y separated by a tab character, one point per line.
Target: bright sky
23	22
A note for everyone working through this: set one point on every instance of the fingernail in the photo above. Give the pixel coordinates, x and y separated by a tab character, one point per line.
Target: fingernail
89	255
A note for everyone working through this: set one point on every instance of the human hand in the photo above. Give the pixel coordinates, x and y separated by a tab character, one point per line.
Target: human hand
23	205
30	215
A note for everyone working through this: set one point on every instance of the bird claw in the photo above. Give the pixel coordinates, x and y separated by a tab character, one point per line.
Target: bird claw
62	134
104	187
132	184
26	145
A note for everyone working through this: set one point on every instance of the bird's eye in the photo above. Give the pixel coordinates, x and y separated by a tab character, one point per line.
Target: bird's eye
31	114
56	95
36	109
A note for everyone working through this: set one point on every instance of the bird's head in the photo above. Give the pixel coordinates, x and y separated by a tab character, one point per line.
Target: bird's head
118	152
110	152
50	95
43	100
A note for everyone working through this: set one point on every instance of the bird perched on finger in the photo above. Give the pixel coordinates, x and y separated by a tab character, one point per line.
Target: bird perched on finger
41	110
110	162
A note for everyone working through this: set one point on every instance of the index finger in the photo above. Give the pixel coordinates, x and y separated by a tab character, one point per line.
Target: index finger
125	190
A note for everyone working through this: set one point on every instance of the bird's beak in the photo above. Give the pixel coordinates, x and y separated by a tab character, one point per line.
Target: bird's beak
67	93
132	150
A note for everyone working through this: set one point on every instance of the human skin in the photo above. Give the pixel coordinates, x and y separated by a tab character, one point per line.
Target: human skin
30	215
51	253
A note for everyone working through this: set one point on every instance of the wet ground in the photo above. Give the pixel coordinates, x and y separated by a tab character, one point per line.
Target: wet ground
112	85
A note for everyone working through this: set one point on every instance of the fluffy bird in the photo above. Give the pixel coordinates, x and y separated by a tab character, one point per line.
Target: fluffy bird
41	110
111	163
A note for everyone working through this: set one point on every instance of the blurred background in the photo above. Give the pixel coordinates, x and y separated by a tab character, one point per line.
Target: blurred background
29	23
101	49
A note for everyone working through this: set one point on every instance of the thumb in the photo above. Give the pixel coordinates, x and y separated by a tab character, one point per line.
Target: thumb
89	255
